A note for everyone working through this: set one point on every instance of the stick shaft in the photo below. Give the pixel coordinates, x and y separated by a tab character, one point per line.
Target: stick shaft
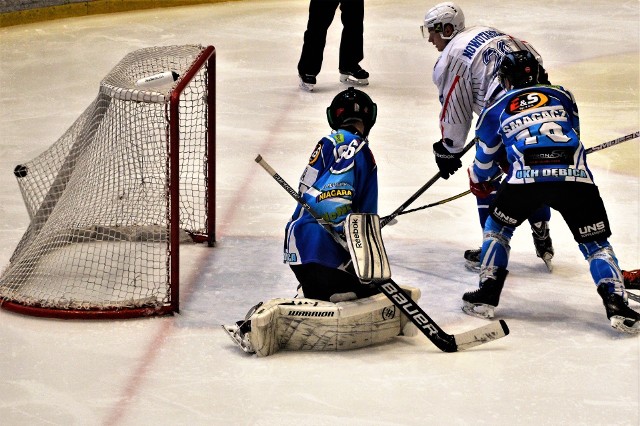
621	139
283	183
604	145
419	192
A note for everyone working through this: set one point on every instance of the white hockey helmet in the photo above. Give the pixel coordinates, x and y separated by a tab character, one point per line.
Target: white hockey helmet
441	14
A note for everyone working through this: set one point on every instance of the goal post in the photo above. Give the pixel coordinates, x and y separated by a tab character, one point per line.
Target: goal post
111	201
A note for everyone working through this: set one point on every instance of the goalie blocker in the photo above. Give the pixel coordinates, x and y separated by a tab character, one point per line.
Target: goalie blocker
364	240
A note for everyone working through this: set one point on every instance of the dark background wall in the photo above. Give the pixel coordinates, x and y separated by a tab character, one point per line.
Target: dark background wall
16	12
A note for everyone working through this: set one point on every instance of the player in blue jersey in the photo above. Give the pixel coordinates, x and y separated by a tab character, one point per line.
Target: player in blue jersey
341	178
539	128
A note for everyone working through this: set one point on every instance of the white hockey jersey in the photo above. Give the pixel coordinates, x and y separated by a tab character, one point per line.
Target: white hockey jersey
466	77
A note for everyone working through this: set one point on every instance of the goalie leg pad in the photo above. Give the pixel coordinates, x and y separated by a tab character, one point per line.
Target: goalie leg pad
264	335
309	324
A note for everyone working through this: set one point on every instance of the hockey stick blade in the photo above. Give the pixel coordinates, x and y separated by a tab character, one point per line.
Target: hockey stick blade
443	341
480	335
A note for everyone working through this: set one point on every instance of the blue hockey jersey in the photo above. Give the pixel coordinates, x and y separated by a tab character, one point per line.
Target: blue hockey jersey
341	178
539	128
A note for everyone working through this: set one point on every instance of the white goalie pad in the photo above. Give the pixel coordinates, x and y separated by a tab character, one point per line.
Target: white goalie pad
364	239
314	325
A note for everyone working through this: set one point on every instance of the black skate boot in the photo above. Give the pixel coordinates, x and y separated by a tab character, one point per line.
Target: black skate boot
542	243
622	317
631	279
482	302
472	258
354	76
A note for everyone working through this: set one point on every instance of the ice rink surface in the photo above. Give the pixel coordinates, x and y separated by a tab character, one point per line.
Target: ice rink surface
562	364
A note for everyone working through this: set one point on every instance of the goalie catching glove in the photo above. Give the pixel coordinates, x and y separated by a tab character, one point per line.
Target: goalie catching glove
364	239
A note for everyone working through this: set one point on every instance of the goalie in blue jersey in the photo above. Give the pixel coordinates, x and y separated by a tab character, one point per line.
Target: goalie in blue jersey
334	309
537	126
341	178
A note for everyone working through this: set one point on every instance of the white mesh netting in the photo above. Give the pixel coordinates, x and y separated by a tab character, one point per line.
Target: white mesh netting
98	198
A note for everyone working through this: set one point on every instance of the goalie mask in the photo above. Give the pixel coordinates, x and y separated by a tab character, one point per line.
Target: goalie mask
441	14
518	69
352	104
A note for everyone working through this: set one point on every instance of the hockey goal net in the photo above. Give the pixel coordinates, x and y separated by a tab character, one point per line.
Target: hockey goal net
111	200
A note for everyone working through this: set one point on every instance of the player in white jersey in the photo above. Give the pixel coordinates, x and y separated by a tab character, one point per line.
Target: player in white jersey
466	77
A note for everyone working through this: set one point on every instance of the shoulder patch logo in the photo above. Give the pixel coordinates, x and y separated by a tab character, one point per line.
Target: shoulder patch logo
315	154
526	101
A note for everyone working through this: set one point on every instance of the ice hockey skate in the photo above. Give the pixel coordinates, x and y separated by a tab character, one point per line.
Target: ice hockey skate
542	242
472	259
307	82
355	76
482	302
239	336
631	279
622	317
239	332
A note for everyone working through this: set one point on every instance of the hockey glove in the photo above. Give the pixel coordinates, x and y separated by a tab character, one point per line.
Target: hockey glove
447	162
481	189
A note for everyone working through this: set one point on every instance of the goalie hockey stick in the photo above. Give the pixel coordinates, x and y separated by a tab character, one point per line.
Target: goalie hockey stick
442	340
603	145
385	220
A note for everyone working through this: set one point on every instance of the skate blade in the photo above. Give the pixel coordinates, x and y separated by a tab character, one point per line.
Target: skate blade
547	261
472	266
618	323
349	79
479	310
306	87
232	332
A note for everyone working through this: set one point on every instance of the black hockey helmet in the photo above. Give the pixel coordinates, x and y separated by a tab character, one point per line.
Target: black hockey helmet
352	104
520	68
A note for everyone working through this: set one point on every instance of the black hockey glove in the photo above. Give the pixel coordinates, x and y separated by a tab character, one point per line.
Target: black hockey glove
447	162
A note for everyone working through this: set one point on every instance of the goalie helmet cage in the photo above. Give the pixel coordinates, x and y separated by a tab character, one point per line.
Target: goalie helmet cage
111	200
